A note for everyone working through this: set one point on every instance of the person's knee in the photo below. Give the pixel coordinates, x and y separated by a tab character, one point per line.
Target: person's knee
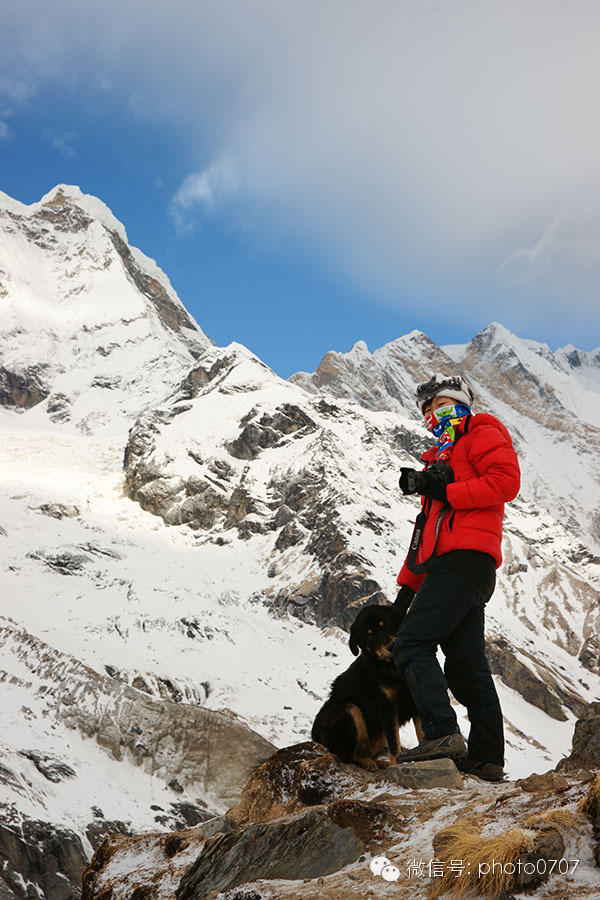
408	648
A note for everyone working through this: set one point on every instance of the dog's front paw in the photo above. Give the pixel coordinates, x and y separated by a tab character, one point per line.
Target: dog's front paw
382	763
366	763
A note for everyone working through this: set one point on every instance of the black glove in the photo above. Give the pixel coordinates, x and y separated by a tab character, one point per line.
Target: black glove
431	482
404	599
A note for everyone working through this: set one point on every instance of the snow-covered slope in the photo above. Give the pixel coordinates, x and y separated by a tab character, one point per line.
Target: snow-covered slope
184	547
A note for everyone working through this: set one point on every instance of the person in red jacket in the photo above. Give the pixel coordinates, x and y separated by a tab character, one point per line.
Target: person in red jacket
450	574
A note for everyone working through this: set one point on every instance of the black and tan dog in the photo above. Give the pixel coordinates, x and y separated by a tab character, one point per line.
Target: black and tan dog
370	700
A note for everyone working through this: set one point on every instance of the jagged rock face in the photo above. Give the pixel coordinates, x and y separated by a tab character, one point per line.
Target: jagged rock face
38	856
377	381
224	487
83	313
541	692
22	390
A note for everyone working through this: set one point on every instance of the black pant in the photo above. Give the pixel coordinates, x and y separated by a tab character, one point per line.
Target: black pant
448	611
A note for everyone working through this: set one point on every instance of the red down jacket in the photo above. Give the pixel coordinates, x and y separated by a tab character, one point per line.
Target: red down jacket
486	476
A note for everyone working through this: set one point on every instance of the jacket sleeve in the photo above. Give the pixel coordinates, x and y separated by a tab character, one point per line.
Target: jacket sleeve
493	457
405	576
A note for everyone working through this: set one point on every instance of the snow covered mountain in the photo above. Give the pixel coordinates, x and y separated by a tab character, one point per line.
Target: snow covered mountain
186	538
76	300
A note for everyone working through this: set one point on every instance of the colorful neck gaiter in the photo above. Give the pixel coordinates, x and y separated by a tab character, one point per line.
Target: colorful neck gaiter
442	423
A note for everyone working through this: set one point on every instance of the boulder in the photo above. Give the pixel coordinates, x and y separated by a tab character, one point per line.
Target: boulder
305	844
301	775
434	773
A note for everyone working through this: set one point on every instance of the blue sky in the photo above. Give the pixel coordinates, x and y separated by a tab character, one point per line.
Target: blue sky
309	175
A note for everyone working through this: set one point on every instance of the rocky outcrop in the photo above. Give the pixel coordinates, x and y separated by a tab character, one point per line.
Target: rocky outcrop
171	314
585	749
22	390
306	844
309	826
514	673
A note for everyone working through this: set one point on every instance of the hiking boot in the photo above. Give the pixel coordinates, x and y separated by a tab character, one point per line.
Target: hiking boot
451	746
486	771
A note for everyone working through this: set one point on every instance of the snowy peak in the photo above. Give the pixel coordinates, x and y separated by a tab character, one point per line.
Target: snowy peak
84	313
384	379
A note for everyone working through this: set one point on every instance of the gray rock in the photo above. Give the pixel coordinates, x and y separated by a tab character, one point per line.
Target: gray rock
66	563
201	509
303	845
58	408
521	678
218	824
290	535
22	390
97	830
585	749
548	847
49	766
433	773
157	495
283	515
172	315
58	510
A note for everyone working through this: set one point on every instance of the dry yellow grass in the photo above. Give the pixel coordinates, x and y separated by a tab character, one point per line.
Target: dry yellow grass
484	859
560	818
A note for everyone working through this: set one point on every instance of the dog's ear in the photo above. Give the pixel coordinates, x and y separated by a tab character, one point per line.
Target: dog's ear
354	646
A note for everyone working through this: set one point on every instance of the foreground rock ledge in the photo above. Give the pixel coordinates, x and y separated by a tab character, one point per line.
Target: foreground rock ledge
307	826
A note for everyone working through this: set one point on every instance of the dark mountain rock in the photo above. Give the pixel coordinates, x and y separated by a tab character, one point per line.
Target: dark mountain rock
51	768
58	510
22	390
41	857
521	678
171	314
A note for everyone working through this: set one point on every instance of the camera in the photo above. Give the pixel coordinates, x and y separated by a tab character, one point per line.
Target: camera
409	481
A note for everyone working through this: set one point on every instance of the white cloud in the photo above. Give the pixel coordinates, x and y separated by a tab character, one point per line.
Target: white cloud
63	142
203	189
415	146
5	132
